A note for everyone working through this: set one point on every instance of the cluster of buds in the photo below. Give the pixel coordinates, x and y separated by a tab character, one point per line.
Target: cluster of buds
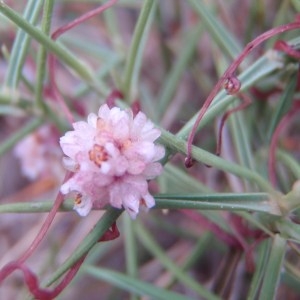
112	156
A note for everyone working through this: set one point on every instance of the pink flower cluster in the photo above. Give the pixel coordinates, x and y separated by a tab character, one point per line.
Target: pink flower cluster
40	155
113	156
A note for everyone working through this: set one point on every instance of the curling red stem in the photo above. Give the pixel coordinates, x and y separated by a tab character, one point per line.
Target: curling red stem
230	73
32	282
246	101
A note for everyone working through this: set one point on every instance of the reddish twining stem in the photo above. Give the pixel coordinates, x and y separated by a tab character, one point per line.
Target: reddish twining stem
246	101
286	48
82	18
32	282
272	152
229	76
226	237
57	203
52	59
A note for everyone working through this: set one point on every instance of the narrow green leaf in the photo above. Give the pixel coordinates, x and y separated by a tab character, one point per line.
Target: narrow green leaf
260	69
283	106
273	269
182	181
257	202
171	82
155	249
132	285
291	276
260	268
130	247
42	55
296	4
89	241
240	135
289	229
179	145
21	44
34	207
20	134
289	161
232	202
82	69
217	30
136	47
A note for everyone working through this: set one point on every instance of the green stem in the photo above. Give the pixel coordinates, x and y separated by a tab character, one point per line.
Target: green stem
261	68
256	202
156	251
130	249
134	47
82	69
42	55
21	44
290	162
171	83
273	269
180	145
89	241
20	134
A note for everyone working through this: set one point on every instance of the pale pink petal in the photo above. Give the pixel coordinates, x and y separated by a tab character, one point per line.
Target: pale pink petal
113	156
84	207
70	164
149	201
104	111
152	170
92	120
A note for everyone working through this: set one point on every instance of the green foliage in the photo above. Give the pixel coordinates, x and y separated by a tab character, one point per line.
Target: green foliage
167	54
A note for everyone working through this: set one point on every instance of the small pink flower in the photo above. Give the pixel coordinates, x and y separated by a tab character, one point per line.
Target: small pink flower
112	156
40	155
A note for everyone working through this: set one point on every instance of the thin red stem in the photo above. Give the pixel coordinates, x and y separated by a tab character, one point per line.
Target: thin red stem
32	282
52	59
82	19
226	237
229	73
57	203
246	102
6	270
272	152
286	48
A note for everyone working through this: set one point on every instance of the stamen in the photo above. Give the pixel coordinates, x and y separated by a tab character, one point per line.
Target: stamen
98	155
78	199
